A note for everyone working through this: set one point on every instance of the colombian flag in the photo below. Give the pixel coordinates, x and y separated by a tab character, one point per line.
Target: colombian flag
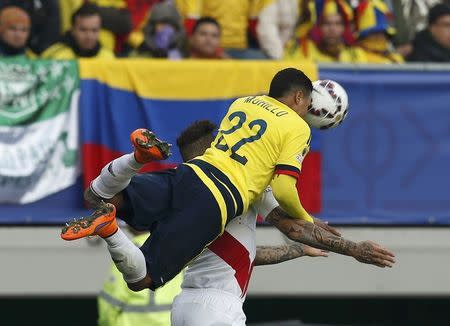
166	96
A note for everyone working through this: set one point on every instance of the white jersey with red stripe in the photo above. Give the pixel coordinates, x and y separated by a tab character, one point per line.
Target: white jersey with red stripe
227	263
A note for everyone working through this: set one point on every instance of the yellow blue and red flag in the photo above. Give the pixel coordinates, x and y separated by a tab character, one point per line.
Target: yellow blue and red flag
120	96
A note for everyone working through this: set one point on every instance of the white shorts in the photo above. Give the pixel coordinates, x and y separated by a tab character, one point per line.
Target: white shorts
207	307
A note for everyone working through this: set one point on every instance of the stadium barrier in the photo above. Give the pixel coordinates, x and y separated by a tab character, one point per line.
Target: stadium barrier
388	164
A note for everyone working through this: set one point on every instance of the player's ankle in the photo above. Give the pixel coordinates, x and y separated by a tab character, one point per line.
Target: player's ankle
110	233
116	238
141	158
132	161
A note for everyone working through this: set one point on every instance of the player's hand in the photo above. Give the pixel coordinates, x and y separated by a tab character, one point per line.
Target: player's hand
325	226
369	252
314	252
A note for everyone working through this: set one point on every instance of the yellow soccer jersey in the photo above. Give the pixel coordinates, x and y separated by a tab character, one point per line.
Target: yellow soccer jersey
257	136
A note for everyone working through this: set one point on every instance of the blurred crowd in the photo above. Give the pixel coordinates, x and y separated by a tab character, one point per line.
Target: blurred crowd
350	31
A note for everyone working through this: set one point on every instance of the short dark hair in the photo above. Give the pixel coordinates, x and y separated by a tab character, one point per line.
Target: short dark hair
437	12
288	80
205	20
195	139
87	9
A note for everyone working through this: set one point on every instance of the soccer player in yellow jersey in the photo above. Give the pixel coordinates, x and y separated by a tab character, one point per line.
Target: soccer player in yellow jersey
262	140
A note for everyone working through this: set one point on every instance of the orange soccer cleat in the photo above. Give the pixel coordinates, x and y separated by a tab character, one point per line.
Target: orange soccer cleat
102	223
147	147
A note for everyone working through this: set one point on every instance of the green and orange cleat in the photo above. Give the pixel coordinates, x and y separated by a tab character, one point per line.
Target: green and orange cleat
147	147
102	223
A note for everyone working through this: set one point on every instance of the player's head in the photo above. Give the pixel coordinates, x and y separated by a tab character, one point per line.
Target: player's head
195	139
293	88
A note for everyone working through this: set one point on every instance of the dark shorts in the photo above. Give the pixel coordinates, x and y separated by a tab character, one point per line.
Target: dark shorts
180	212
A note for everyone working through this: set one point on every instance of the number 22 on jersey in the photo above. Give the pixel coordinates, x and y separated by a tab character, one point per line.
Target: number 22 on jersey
257	126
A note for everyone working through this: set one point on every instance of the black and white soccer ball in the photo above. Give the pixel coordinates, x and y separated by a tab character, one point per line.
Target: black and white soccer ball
329	105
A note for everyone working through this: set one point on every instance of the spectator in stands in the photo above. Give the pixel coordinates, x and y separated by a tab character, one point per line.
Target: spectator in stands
140	13
330	37
233	17
276	23
82	41
14	32
433	43
44	16
374	32
205	40
164	35
116	19
410	17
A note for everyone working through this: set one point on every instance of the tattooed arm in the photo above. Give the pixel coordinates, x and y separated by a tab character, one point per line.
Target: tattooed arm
268	255
298	230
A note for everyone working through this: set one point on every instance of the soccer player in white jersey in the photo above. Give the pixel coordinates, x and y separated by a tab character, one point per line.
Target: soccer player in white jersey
236	247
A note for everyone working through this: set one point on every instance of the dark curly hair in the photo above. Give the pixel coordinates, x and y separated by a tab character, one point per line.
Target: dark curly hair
195	139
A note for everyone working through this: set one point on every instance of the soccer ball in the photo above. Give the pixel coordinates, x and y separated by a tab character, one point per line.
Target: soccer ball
329	105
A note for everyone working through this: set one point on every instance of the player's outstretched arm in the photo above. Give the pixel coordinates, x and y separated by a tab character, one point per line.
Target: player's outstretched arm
285	191
269	255
324	225
308	233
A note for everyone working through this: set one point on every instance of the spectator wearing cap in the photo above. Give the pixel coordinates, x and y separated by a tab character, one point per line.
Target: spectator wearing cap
433	43
82	41
374	32
164	35
15	27
45	22
330	37
204	42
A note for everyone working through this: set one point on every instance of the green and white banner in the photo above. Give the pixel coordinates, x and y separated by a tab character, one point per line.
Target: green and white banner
38	128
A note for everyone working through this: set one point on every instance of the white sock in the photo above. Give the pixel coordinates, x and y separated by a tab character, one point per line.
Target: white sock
115	176
128	258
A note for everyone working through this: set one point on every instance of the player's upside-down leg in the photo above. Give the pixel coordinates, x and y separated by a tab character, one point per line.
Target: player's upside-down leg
175	205
105	194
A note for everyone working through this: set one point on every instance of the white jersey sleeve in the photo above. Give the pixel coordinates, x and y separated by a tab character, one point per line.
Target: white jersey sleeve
266	203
